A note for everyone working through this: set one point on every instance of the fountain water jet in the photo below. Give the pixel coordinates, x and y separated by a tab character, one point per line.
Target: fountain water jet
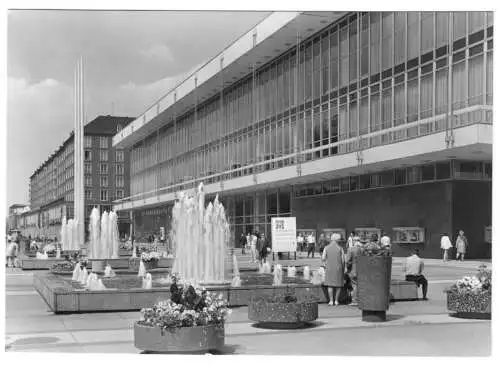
200	236
94	231
278	275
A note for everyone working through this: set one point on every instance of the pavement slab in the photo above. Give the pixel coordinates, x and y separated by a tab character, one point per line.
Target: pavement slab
422	328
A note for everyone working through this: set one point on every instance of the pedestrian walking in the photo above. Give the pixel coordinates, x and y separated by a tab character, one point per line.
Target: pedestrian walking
461	244
333	257
350	239
300	242
11	252
253	247
262	246
445	246
322	243
353	253
311	245
412	268
243	243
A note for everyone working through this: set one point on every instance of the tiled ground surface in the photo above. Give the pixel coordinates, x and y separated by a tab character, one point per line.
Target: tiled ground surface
414	328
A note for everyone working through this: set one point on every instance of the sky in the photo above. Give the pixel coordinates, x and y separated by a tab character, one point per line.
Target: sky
131	59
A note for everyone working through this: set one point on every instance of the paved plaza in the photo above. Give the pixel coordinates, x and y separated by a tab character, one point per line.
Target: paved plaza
413	328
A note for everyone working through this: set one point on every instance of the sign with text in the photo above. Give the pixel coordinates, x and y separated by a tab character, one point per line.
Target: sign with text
283	234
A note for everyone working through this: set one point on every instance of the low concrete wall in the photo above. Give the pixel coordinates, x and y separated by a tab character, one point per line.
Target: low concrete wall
61	297
119	263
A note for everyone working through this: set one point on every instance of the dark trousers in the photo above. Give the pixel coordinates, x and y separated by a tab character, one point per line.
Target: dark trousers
419	280
310	250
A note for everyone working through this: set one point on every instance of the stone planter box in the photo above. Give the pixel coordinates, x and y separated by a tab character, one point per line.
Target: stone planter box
283	315
469	305
374	284
125	253
180	340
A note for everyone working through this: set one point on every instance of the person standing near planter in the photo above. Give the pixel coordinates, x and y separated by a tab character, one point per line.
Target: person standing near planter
445	246
461	245
413	267
333	256
351	260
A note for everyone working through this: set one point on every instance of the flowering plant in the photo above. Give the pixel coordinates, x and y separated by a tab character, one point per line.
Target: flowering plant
49	248
480	283
189	306
150	256
375	249
126	245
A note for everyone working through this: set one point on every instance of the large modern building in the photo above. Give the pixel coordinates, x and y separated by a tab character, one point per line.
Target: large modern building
106	179
369	122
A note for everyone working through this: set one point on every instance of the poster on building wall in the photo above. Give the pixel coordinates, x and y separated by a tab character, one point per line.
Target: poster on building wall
283	234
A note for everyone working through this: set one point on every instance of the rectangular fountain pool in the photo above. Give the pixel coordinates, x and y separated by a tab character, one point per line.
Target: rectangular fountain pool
124	292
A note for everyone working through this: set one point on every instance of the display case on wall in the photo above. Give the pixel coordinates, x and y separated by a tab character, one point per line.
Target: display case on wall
409	235
328	233
487	234
366	233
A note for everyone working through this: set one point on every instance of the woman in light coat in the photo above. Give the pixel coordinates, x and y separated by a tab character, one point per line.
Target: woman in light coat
461	245
333	256
445	246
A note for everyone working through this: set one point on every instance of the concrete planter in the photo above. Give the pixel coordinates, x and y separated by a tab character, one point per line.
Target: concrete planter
282	315
98	265
374	283
179	340
467	305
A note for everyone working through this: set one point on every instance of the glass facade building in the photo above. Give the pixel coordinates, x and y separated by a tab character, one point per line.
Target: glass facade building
366	80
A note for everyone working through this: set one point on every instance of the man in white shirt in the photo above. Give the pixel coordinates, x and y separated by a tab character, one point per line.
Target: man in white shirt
413	267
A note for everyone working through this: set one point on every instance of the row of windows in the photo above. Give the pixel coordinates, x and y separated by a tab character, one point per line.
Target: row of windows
411	91
103	141
104	194
103	155
325	53
53	181
402	176
104	181
103	168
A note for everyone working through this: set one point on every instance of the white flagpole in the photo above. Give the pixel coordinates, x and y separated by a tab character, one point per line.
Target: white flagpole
78	191
75	154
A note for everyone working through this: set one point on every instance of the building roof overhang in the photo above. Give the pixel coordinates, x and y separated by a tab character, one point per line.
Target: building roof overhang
273	36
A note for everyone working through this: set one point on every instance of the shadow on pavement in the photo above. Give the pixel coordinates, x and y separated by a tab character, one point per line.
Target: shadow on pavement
288	326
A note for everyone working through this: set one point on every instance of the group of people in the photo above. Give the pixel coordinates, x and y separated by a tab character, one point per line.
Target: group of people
461	245
257	244
341	267
307	241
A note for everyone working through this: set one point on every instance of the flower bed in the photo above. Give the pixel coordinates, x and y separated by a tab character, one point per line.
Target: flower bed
470	297
283	311
191	320
63	268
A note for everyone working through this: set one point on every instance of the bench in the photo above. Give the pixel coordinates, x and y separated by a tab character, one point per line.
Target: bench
403	290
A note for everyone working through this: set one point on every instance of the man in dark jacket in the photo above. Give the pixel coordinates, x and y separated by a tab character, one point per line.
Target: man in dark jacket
262	247
243	242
